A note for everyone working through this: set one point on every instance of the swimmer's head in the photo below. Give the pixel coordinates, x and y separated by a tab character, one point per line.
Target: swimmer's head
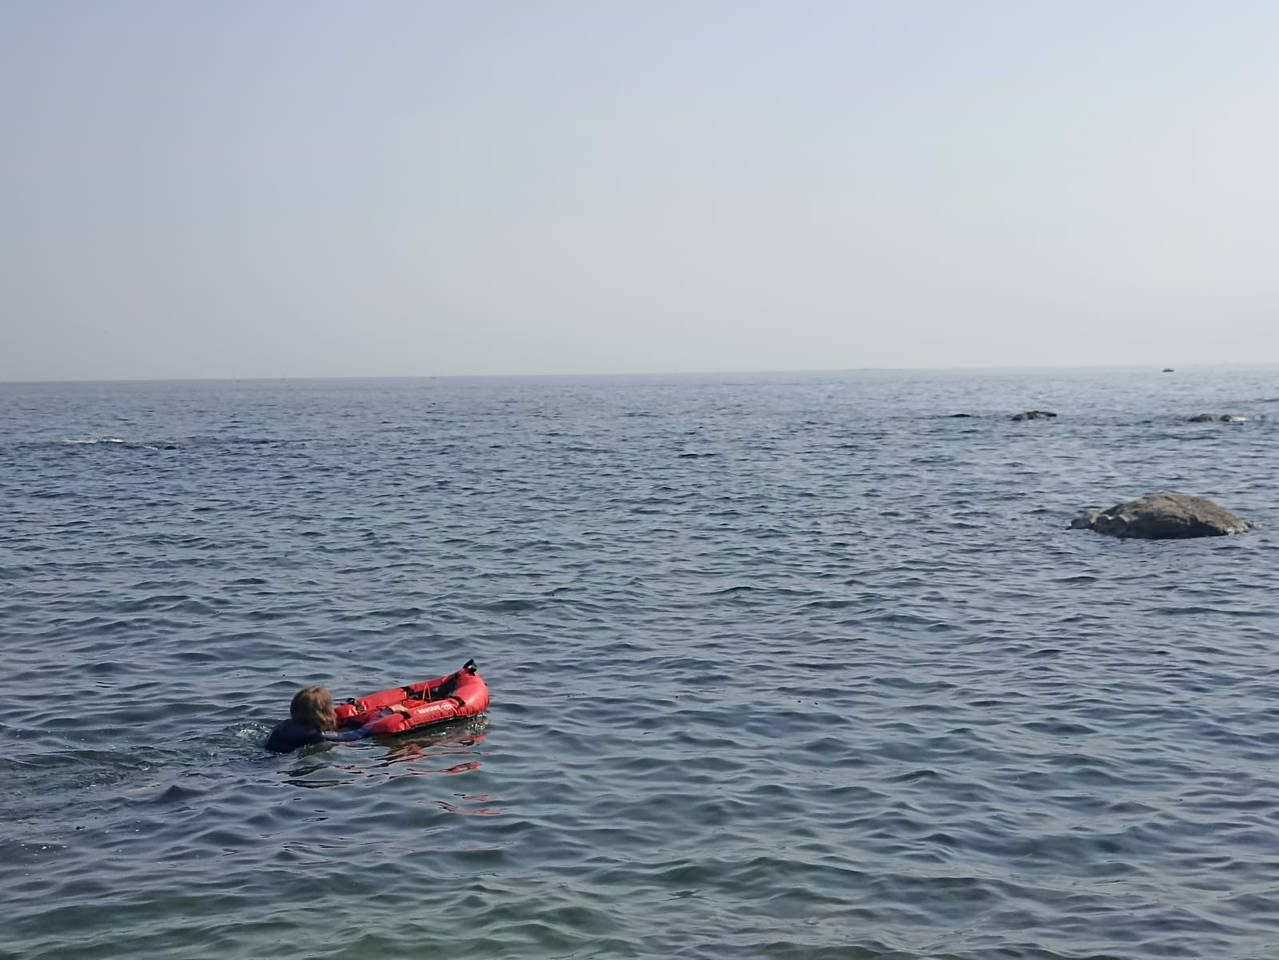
314	707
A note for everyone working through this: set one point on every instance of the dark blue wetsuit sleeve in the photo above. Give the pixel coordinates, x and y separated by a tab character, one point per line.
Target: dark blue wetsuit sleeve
360	734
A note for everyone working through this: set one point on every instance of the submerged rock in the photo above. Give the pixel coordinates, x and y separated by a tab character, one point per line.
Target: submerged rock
1033	415
1217	418
1163	516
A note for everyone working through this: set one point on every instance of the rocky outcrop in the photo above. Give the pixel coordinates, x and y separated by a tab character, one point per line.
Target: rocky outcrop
1033	415
1218	418
1163	516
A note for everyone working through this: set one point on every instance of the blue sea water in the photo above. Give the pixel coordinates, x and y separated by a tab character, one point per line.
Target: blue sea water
783	666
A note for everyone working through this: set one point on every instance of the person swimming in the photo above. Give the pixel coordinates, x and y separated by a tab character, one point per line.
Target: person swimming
311	720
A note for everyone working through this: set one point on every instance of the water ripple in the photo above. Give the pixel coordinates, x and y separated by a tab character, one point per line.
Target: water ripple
790	666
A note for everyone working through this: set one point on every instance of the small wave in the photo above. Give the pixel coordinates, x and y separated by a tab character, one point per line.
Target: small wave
120	442
172	603
1196	609
830	604
733	591
915	776
510	605
1060	728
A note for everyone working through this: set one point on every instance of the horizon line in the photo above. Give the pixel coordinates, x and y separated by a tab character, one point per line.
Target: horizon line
651	373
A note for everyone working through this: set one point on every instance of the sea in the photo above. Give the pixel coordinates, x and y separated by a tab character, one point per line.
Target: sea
782	666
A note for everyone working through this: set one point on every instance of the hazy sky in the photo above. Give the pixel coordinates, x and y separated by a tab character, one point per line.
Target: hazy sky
379	188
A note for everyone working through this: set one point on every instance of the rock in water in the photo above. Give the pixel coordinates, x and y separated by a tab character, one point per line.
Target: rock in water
1163	516
1033	415
1217	418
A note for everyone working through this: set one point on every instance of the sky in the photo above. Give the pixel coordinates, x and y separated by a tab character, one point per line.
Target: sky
308	188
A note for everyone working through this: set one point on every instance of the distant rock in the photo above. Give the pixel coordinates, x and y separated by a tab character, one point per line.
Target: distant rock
1163	516
1168	370
1033	415
953	415
1217	418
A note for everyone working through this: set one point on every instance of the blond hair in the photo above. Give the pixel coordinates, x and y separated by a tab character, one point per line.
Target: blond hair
314	706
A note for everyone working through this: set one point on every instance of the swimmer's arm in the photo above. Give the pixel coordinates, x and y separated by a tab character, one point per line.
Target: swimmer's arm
343	735
361	732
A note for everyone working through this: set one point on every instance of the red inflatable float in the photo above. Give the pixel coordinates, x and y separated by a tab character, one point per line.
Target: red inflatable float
450	697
